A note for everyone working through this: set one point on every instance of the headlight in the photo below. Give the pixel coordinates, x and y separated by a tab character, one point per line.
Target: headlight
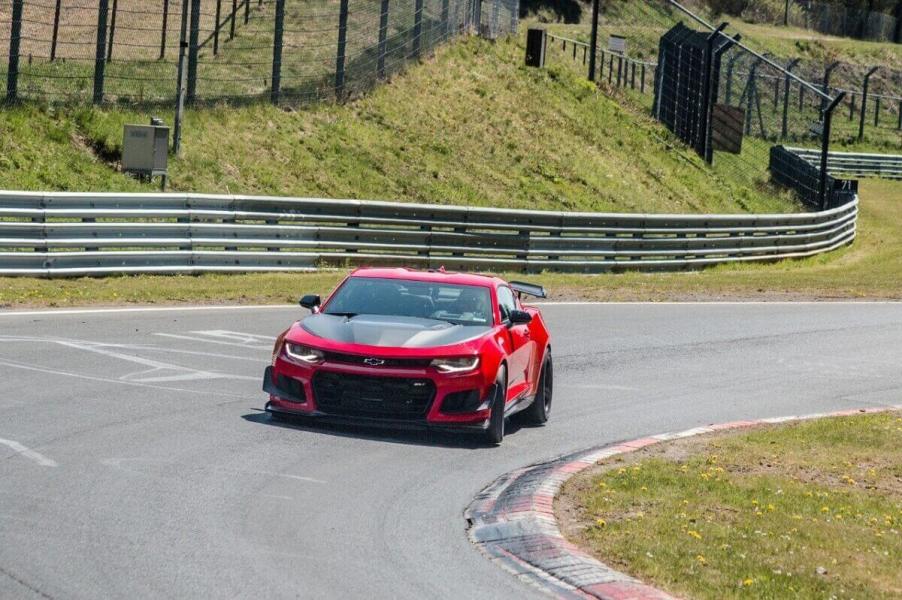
455	365
305	354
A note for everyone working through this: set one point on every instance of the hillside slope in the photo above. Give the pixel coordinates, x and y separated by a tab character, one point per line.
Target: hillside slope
469	126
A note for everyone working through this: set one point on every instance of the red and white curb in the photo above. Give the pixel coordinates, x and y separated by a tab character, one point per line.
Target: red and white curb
512	520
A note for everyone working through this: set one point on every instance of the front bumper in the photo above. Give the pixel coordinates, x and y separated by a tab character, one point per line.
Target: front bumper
301	401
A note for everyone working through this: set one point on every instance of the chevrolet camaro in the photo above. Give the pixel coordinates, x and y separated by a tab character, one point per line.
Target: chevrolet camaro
405	348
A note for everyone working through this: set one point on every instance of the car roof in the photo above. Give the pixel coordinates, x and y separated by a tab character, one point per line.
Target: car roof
432	276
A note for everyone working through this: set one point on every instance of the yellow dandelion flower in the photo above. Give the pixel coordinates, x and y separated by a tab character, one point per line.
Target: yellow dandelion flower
701	559
695	534
621	471
748	582
825	509
644	488
771	507
600	522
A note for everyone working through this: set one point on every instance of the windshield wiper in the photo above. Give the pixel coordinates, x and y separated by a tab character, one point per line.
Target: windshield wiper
347	315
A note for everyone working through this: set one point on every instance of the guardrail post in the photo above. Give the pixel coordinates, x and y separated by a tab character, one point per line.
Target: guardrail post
100	55
787	84
109	51
593	44
193	48
383	38
340	55
56	30
277	52
864	102
417	27
15	38
825	148
426	227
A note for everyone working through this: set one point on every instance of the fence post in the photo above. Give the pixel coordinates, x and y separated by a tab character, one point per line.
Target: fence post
232	19
216	27
619	70
825	147
417	27
15	38
247	11
730	66
787	84
193	48
593	45
864	102
383	38
851	106
877	112
446	25
109	50
100	55
826	85
786	15
180	90
56	30
163	29
277	51
340	55
900	116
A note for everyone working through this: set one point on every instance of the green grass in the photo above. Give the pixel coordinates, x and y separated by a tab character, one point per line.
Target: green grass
807	510
471	126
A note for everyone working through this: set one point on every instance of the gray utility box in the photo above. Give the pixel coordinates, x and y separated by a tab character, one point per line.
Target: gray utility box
145	149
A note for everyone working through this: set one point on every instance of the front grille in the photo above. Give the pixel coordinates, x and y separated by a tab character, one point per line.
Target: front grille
355	359
376	397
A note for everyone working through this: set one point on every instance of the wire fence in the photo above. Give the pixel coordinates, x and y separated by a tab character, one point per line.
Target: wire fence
835	18
873	93
737	108
127	51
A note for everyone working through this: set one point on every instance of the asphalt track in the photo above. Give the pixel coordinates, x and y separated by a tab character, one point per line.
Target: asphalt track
135	461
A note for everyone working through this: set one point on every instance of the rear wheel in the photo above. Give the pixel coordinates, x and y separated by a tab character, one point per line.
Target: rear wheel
540	410
495	433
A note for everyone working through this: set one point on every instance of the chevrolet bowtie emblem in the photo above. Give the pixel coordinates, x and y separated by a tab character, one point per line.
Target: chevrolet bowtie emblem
374	362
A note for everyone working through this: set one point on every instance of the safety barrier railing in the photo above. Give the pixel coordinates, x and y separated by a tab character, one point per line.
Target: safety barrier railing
887	166
73	234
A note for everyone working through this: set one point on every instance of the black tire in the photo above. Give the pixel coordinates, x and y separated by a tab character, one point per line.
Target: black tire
540	410
495	433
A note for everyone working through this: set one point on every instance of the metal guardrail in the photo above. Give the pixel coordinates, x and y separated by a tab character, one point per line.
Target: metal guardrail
888	166
74	234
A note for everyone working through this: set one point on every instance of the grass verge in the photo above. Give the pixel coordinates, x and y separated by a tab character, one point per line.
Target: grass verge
807	510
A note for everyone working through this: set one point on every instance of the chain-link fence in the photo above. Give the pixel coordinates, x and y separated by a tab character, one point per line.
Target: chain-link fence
128	51
738	109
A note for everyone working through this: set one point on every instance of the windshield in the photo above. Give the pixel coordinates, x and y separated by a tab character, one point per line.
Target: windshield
458	304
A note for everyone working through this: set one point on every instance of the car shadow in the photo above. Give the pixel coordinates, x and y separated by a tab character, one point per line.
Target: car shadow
465	440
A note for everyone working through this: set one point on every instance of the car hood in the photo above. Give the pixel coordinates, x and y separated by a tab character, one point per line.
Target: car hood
390	331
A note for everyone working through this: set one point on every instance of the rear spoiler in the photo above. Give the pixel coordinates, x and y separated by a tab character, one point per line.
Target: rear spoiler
528	289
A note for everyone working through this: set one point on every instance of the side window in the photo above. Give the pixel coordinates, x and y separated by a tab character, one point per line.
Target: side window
506	302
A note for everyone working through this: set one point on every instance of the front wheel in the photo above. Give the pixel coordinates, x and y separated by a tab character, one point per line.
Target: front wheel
495	433
540	410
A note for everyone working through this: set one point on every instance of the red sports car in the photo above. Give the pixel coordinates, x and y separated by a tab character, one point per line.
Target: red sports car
408	348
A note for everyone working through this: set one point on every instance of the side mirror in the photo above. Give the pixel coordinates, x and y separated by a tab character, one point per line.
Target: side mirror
311	302
520	317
